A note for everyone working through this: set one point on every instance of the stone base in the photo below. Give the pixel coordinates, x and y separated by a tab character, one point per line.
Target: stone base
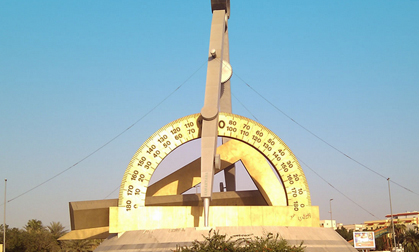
316	239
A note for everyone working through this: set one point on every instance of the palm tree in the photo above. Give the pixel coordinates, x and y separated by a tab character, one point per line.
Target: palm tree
34	226
79	245
57	229
410	240
399	229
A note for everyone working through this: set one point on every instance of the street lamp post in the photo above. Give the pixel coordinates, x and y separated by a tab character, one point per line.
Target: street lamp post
331	218
4	220
391	212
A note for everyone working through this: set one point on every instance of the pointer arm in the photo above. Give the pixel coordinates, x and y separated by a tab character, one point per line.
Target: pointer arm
211	107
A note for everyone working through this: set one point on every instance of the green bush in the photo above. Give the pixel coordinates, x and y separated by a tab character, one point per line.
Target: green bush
238	243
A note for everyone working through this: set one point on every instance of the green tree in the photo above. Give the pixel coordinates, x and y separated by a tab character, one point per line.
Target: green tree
346	234
57	230
34	226
380	243
399	230
14	239
410	240
79	246
37	238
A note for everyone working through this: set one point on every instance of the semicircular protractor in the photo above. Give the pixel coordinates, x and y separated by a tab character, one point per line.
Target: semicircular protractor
245	131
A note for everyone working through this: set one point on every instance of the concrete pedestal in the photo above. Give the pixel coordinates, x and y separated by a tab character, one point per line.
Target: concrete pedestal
315	239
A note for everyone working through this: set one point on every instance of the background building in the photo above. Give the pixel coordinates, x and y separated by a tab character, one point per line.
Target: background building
409	219
328	224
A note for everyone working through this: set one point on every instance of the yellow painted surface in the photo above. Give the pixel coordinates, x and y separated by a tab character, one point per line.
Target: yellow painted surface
231	152
262	143
187	216
257	147
243	214
88	233
259	170
256	215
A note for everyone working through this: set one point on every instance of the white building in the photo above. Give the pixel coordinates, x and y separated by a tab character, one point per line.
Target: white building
328	224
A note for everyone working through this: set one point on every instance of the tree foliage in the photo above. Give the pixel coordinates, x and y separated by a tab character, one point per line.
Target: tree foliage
346	234
410	240
34	226
80	246
35	237
407	237
14	239
57	229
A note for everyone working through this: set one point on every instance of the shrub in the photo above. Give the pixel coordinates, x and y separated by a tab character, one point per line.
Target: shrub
241	243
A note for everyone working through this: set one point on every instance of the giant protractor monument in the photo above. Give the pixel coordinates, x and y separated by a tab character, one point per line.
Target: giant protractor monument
159	216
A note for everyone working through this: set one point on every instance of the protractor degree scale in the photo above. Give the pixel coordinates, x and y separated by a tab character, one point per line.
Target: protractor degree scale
149	156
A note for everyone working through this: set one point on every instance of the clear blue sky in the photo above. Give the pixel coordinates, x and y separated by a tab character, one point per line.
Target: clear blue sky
74	74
